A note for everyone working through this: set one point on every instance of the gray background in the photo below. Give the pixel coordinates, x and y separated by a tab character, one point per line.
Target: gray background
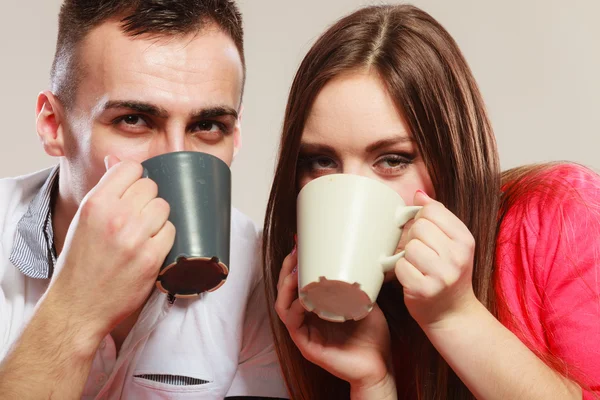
536	61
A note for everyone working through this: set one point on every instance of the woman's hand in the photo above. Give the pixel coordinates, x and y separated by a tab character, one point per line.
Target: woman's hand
355	351
436	272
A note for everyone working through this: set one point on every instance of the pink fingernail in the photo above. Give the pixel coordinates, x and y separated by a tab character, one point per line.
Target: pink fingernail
423	193
294	250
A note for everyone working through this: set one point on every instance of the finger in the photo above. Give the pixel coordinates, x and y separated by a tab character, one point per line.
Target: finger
423	258
288	292
154	216
443	218
409	277
142	192
110	161
156	249
431	235
304	333
287	267
119	178
163	241
296	326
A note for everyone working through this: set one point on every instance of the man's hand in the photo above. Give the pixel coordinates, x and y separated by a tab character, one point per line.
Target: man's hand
113	251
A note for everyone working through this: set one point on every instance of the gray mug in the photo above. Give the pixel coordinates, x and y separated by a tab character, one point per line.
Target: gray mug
197	186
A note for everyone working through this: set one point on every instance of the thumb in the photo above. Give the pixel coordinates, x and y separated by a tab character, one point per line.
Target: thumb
421	198
110	161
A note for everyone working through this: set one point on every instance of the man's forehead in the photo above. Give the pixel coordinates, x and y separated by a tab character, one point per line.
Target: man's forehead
155	69
107	43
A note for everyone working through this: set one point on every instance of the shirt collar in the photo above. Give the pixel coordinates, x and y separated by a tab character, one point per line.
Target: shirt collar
33	250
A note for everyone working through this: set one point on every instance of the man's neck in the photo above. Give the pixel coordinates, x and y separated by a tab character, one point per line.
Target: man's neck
62	215
64	208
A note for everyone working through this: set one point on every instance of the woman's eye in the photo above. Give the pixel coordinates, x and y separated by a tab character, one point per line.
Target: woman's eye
319	163
323	163
316	164
393	162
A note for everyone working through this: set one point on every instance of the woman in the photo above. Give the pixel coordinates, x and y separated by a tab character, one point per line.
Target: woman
498	295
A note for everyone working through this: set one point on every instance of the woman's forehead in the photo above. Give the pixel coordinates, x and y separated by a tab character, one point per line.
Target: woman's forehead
354	108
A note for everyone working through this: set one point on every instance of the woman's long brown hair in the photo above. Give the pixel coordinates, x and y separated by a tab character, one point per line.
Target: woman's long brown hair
426	75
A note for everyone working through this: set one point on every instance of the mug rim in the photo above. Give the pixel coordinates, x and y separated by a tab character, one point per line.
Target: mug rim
370	181
186	153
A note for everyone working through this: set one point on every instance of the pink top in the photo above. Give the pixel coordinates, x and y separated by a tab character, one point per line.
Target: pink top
548	272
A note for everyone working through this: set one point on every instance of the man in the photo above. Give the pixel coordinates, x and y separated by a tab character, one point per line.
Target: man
82	243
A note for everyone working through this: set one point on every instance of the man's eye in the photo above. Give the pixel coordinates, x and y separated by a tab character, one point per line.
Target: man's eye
210	126
130	120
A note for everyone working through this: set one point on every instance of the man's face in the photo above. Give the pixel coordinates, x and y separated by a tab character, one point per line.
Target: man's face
141	97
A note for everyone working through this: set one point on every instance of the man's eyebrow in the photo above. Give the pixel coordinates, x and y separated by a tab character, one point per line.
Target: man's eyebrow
151	109
214	112
137	106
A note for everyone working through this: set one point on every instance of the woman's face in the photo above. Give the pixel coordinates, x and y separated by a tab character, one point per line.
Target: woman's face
355	128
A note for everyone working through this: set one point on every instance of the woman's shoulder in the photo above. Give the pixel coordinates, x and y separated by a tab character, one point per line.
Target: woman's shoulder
541	190
549	218
565	178
550	221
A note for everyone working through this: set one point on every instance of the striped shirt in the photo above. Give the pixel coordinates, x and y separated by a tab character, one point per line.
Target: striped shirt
33	250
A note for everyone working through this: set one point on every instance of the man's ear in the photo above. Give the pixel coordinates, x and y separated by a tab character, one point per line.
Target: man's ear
237	135
50	123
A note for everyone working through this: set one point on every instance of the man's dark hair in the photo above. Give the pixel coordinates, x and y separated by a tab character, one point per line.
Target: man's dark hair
137	17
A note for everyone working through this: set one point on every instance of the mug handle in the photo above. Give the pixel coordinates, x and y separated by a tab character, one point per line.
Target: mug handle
403	215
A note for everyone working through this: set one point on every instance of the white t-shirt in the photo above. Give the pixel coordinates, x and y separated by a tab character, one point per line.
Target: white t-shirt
210	347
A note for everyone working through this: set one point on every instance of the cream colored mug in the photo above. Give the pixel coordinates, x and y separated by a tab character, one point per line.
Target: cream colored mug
349	227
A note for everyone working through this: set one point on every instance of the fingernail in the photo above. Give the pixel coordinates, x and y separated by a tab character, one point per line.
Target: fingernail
106	162
295	249
422	192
